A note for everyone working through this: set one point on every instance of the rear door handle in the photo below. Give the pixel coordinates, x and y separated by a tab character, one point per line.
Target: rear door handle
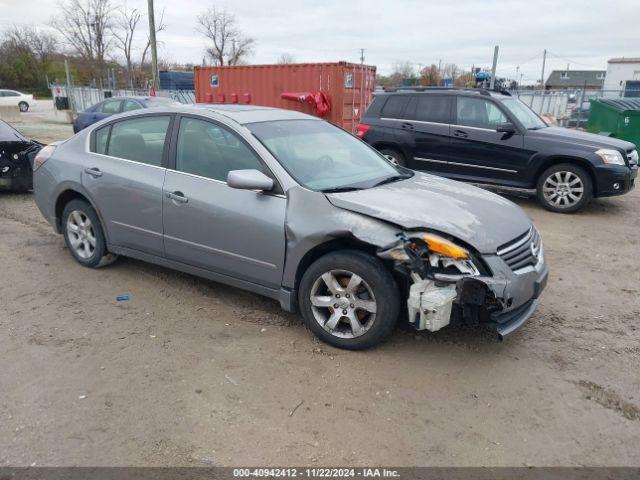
460	134
177	197
94	172
407	126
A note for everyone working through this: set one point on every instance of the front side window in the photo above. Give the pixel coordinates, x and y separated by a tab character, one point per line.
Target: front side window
321	156
527	117
139	139
426	107
208	150
111	106
479	113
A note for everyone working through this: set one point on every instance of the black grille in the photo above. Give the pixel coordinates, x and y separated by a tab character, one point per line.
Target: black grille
522	252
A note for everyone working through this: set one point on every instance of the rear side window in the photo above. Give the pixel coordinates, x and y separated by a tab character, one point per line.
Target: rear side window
429	108
139	139
394	106
111	106
102	136
130	105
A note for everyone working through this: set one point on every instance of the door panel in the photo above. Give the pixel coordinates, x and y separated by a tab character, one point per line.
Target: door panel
211	225
129	197
235	232
477	151
125	176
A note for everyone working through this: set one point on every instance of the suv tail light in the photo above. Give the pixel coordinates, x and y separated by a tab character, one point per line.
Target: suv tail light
362	129
42	156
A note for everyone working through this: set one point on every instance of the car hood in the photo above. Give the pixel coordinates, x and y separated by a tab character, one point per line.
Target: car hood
480	218
591	141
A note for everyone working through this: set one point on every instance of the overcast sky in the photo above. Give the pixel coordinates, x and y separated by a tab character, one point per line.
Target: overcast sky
583	33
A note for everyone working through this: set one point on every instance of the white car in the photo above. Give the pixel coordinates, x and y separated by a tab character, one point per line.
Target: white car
19	99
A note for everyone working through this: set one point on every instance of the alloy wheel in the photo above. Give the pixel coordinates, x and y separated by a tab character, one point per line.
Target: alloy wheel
343	303
81	235
563	189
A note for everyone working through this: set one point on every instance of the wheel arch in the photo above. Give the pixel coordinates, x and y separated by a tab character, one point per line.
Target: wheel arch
577	161
71	193
332	245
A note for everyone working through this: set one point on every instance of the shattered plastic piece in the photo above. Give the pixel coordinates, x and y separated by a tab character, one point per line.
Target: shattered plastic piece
429	305
230	380
122	298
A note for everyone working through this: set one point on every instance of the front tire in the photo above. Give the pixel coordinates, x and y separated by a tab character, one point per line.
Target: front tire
394	156
564	188
83	234
23	106
349	299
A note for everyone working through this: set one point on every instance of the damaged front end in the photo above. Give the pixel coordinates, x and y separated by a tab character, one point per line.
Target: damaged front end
449	284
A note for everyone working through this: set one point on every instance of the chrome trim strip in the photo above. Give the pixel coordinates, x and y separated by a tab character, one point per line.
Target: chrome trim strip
225	253
414	121
455	125
521	242
223	183
466	165
126	160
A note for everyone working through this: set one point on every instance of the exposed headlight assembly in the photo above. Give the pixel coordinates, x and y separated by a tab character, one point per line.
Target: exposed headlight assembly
612	157
432	256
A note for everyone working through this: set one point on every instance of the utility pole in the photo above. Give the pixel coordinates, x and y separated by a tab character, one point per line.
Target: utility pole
362	56
68	74
493	67
544	60
154	49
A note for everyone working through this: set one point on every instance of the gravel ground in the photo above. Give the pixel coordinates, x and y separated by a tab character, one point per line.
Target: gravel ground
191	372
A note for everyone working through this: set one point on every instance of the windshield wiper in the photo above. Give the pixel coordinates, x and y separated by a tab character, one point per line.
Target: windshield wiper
393	178
340	189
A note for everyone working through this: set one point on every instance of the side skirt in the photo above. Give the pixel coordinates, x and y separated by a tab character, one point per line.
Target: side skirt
284	296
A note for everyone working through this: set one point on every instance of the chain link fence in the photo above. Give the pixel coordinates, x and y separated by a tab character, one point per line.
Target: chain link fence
81	98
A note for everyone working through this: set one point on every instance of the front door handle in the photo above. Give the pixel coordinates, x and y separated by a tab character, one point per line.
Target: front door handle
460	134
177	197
94	172
407	126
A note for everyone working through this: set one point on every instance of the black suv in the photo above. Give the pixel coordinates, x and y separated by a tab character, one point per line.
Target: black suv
491	137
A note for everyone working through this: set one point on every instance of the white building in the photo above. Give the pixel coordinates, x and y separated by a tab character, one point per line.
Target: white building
620	71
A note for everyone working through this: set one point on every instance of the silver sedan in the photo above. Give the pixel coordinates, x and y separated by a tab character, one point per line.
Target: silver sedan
296	209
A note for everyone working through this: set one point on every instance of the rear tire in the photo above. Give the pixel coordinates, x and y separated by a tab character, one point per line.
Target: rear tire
394	156
349	299
564	188
23	106
83	235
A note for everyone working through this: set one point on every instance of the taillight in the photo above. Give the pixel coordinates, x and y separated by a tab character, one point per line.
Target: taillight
42	156
33	97
361	129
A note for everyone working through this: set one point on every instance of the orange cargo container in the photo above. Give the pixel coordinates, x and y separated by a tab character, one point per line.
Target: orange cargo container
349	88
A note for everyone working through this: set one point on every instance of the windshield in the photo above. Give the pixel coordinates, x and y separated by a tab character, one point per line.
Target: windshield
524	114
321	156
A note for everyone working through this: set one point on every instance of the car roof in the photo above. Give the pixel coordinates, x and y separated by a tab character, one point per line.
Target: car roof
242	114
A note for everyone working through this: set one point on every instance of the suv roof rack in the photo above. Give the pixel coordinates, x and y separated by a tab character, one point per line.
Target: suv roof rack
481	91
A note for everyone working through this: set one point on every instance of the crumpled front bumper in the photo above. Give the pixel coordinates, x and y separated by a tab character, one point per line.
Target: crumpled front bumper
519	291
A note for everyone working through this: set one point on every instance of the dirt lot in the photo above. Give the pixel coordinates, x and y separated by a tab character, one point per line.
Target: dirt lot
190	372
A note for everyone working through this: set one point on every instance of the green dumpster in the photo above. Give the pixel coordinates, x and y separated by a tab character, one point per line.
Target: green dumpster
619	118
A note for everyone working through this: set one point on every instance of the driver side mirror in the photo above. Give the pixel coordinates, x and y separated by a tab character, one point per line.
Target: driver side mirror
506	127
249	180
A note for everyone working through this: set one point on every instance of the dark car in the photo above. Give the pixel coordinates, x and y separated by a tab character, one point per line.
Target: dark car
16	159
111	106
490	137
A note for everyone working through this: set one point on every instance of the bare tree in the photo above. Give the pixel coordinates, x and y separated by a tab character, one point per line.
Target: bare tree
286	59
124	32
430	76
86	26
228	45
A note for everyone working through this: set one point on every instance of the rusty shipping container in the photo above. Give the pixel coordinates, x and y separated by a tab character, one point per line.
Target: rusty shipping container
349	88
